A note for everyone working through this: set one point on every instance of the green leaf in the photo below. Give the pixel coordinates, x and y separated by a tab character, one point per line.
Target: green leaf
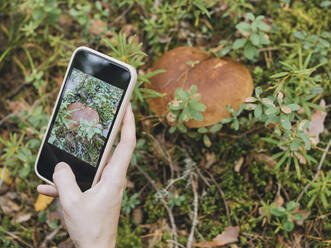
295	144
285	122
250	52
325	4
254	38
271	111
278	211
294	107
181	94
194	89
202	130
239	43
298	217
196	115
288	226
258	111
215	128
172	129
198	106
291	205
258	91
280	74
206	141
24	172
226	120
243	27
263	27
250	16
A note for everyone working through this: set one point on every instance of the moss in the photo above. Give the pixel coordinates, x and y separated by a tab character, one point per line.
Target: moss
128	236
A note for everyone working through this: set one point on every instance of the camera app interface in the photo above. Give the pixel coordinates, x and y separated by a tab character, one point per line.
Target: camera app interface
85	116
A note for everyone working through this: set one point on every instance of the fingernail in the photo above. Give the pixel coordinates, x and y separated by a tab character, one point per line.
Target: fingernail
60	165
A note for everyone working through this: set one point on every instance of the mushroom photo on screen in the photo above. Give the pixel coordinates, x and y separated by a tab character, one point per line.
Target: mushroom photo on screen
220	81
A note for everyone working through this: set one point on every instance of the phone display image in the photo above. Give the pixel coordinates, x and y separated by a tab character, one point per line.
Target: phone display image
85	116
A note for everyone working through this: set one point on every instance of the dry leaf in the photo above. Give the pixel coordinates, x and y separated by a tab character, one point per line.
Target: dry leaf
304	214
97	27
137	215
264	158
8	206
316	126
4	175
21	217
42	202
228	236
302	159
238	164
66	244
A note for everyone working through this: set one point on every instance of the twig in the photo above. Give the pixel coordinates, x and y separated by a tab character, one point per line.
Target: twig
121	16
171	217
18	239
4	119
49	237
223	197
268	49
195	210
305	189
2	177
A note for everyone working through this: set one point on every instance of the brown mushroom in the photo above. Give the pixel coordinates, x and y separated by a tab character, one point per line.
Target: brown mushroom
177	63
220	82
81	112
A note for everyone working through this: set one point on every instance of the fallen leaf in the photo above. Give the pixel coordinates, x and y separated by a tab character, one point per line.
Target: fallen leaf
21	217
264	158
8	206
210	160
97	27
238	164
137	215
305	214
4	175
316	126
228	236
42	202
66	244
302	159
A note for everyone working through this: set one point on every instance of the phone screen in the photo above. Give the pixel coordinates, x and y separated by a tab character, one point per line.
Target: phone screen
84	116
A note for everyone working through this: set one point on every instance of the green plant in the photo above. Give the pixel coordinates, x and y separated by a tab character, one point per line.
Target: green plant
185	107
318	45
175	200
131	53
81	14
254	36
293	90
43	12
129	203
88	129
286	217
321	189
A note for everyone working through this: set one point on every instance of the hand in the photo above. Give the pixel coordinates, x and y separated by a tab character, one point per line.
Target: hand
92	216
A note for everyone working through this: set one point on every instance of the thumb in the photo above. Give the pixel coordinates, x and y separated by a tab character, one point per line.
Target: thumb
65	182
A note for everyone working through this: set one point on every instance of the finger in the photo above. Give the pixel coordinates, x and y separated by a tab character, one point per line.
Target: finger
65	182
116	169
48	190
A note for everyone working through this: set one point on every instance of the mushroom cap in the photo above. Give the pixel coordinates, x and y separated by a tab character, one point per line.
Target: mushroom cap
80	111
220	82
176	63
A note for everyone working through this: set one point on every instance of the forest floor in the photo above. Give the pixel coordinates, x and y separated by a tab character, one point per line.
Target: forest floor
259	179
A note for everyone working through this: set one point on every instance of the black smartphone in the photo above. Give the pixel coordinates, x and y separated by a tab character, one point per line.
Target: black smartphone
88	112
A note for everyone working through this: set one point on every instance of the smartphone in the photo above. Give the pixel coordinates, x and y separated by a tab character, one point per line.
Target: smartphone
87	115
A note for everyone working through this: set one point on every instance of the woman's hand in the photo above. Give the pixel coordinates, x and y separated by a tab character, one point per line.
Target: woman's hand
92	217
